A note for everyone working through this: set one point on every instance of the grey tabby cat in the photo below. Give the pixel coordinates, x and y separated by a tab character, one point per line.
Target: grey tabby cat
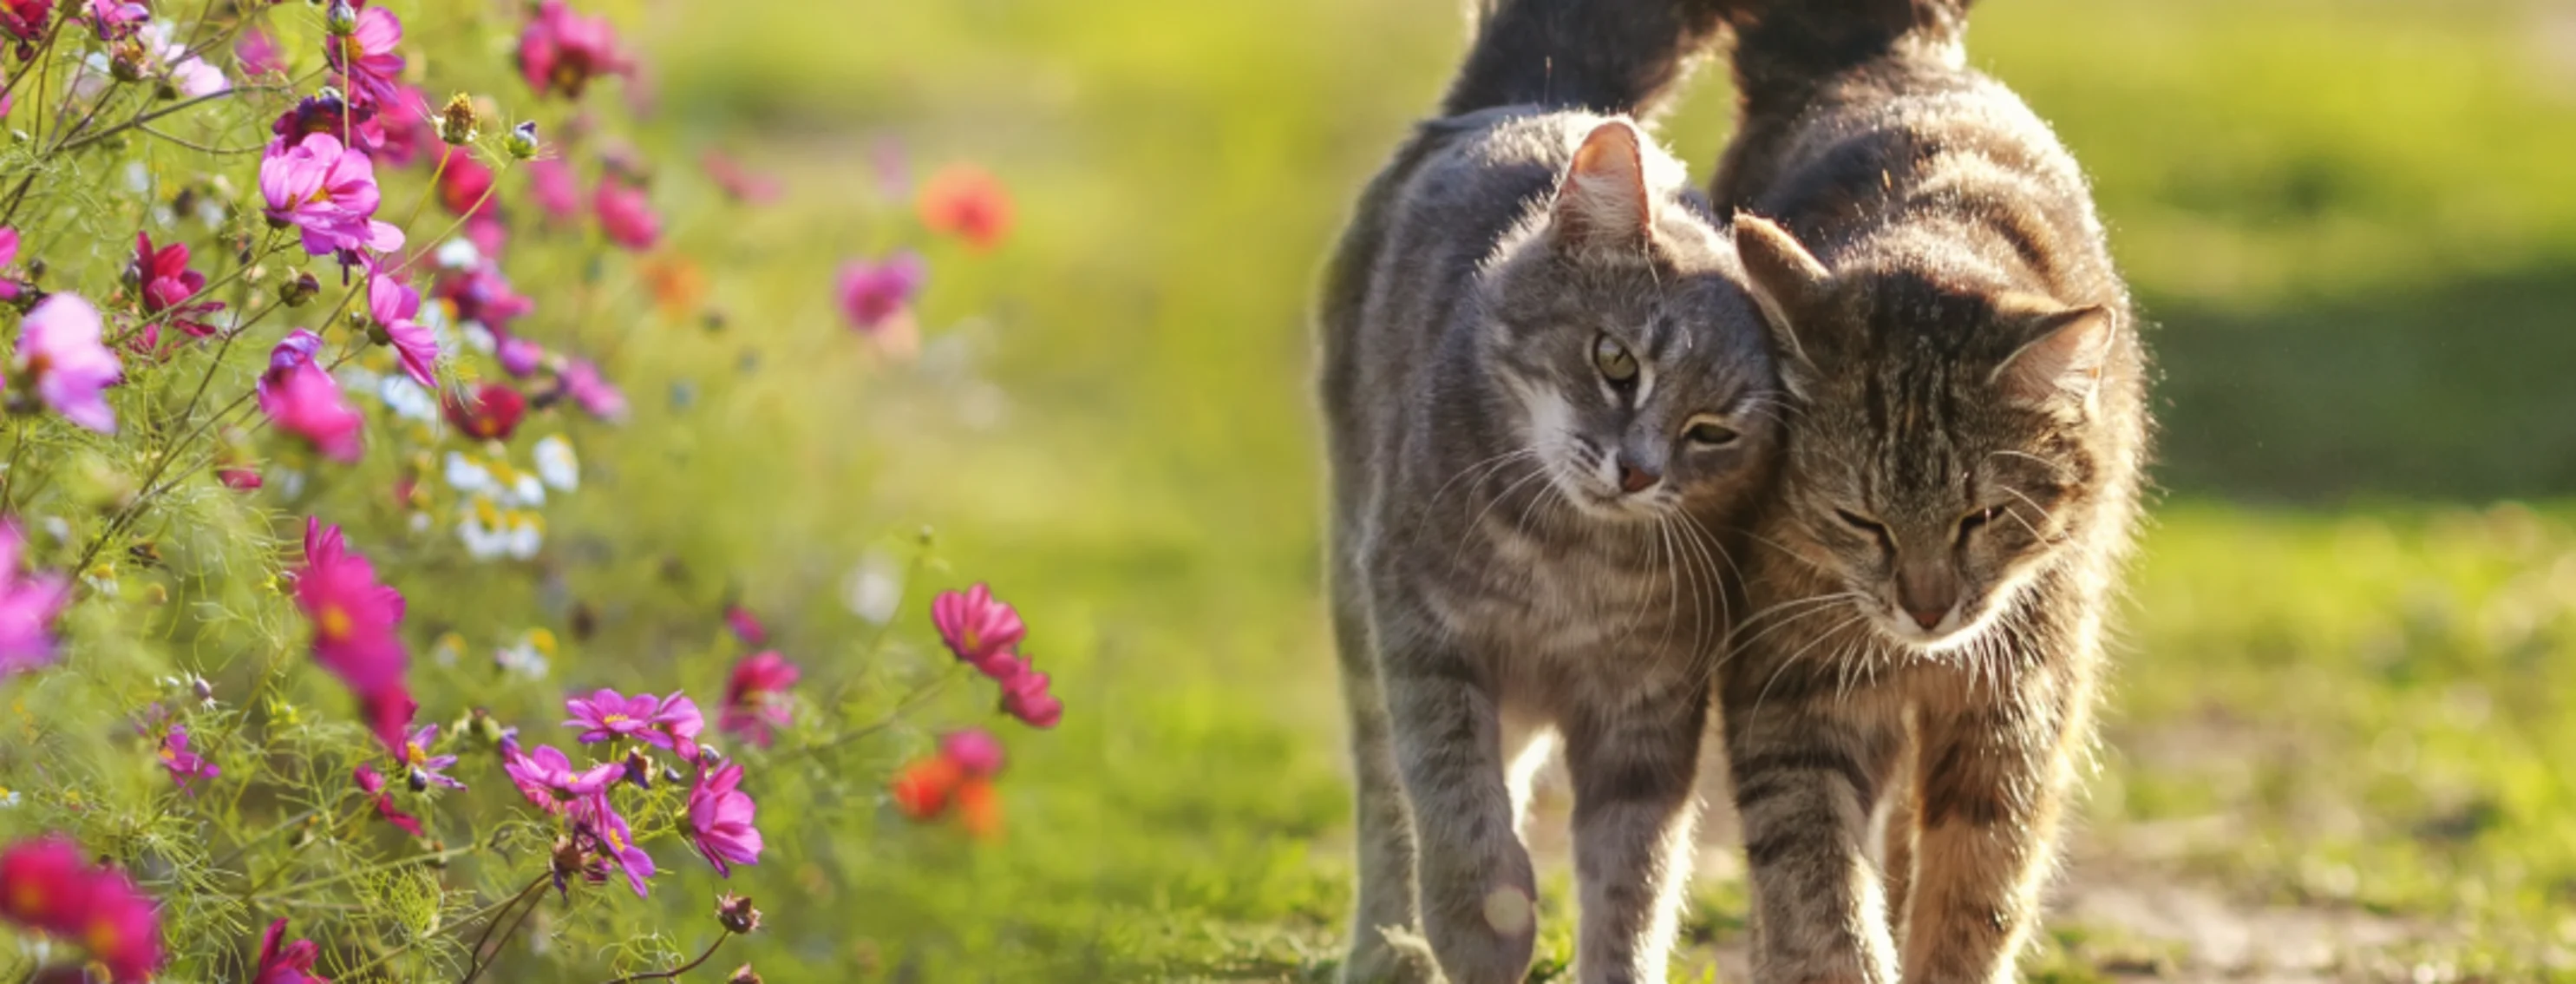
1904	715
1547	396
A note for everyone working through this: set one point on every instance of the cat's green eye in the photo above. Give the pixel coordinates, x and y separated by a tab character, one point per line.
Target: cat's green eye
1709	434
1615	363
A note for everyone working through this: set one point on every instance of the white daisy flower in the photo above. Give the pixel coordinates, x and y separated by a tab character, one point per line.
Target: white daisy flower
556	463
407	399
874	589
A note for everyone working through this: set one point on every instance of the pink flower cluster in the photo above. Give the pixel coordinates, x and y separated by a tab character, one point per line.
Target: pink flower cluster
354	621
720	818
29	603
985	633
46	885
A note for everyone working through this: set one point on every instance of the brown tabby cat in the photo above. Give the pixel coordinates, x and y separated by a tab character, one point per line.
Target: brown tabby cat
1548	405
1904	714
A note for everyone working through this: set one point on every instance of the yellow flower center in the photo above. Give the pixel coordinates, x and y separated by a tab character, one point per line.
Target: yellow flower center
103	936
614	719
415	753
27	899
335	622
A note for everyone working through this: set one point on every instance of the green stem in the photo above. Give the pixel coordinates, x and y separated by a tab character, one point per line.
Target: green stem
679	970
483	961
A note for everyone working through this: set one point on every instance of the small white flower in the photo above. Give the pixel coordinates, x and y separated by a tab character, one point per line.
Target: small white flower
459	254
407	399
874	589
556	464
467	475
9	798
526	492
289	482
530	656
481	530
526	534
480	338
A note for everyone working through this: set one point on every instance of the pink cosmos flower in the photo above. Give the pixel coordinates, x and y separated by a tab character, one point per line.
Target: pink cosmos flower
746	626
1024	690
871	293
720	820
562	51
594	818
328	112
483	296
975	626
168	286
29	604
117	18
302	398
679	724
465	184
185	766
9	286
485	412
46	885
557	191
592	391
396	309
428	770
374	786
976	752
354	621
290	963
406	128
60	348
755	704
625	215
257	54
518	356
365	59
329	192
739	183
547	779
189	74
25	20
609	716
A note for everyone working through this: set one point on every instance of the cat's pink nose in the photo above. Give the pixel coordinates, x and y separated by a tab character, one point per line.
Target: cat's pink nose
1633	479
1927	617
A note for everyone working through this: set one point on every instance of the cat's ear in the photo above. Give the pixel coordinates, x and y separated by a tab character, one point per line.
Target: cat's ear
1603	202
2063	358
1787	282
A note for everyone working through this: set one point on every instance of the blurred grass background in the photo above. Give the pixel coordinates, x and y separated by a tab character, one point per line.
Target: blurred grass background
2348	673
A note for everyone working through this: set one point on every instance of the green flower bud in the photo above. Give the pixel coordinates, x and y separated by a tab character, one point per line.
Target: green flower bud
522	142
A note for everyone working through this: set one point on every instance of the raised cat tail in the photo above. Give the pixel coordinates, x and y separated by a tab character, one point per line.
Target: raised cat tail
1608	56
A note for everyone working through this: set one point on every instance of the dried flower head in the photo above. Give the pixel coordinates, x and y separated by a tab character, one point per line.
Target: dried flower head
457	123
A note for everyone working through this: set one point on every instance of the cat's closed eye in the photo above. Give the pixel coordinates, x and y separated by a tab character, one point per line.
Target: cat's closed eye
1862	523
1977	519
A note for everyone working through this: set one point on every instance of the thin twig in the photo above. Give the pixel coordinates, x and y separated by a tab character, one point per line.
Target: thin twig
483	962
679	970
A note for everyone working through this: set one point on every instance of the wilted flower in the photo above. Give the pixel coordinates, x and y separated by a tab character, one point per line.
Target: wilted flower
562	51
302	398
60	352
756	704
625	215
975	626
329	192
281	962
395	308
736	914
28	605
871	293
965	201
167	286
373	785
185	766
486	411
365	57
720	820
46	885
457	123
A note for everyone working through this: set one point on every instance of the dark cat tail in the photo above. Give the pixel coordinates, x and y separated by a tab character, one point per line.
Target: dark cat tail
1608	56
1784	46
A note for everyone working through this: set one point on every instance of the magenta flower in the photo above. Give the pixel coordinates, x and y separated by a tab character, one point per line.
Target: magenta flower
547	779
428	770
482	295
720	821
327	112
257	54
329	192
608	716
975	626
169	287
1024	691
10	288
756	704
679	724
975	751
289	963
47	884
557	191
406	128
739	183
396	309
746	626
592	816
117	18
60	349
302	399
871	293
374	786
25	21
625	215
518	356
592	391
366	59
29	604
562	51
354	620
185	766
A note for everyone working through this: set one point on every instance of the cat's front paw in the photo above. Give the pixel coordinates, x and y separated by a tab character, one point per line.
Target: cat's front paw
1488	942
1390	955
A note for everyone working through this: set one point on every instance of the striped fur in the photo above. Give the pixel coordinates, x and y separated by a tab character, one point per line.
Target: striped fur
1904	712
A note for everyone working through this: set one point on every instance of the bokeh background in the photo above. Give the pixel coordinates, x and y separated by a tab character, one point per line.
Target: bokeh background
2338	745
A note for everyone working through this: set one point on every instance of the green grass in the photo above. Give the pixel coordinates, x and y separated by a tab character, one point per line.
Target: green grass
2351	221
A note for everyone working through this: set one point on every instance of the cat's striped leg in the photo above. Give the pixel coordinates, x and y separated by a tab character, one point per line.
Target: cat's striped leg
1384	825
1634	811
1808	774
1994	769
